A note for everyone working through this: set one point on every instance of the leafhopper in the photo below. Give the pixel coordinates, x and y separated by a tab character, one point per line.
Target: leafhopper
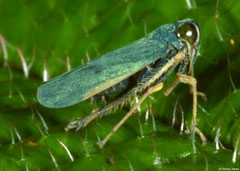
140	68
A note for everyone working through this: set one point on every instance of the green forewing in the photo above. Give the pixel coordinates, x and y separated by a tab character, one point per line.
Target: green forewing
108	70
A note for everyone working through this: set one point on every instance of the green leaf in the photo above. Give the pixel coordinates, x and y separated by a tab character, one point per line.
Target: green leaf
53	30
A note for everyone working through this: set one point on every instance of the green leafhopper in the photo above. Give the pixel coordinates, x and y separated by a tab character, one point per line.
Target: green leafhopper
139	68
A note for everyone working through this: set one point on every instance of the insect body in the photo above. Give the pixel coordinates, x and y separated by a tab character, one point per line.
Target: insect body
139	68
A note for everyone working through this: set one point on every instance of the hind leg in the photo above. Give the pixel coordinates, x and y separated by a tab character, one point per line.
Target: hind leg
81	123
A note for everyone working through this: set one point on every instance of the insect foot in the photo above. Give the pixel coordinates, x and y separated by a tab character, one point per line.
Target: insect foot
76	124
202	95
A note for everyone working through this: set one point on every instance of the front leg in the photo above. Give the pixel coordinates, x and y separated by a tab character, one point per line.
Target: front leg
181	78
176	82
193	82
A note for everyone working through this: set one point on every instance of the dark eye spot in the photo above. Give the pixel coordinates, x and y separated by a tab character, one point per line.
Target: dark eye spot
188	32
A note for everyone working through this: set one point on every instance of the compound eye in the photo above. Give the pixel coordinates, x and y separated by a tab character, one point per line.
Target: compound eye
188	32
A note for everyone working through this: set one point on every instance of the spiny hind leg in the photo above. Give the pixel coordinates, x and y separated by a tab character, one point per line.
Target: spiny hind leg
81	123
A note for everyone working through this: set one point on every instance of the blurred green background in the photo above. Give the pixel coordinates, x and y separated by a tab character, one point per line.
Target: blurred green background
50	32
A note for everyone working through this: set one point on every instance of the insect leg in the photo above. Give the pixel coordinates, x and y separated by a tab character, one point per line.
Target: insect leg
175	83
149	91
80	123
203	95
193	82
171	87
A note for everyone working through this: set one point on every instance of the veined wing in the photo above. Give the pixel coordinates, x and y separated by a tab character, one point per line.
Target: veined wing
101	73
